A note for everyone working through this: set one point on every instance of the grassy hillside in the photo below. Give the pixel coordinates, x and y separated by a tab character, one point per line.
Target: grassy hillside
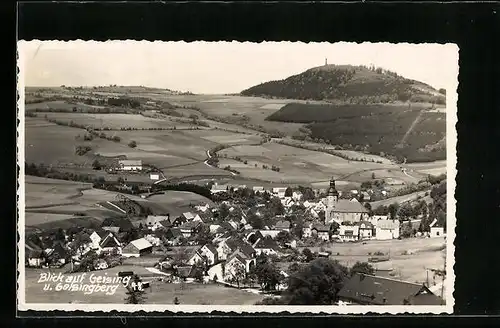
351	84
402	132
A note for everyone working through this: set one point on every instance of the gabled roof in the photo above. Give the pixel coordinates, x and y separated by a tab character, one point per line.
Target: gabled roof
165	223
211	248
367	224
387	224
266	243
109	241
190	225
366	289
346	206
235	243
184	271
176	232
141	243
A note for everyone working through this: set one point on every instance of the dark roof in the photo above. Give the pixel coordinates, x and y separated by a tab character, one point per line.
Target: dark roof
32	250
184	271
109	240
211	248
367	289
266	243
321	227
123	223
346	206
176	232
368	224
236	243
190	225
165	223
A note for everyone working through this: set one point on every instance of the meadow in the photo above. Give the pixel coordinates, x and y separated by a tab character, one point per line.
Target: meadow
409	258
296	165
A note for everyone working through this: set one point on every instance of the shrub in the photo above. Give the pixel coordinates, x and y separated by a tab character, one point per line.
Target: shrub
132	144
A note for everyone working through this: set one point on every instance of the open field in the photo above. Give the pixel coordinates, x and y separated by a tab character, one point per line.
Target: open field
115	121
427	253
399	199
59	105
303	166
432	168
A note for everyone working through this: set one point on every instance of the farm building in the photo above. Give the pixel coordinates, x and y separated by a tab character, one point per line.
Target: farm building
137	248
154	176
130	165
365	289
387	229
216	188
366	230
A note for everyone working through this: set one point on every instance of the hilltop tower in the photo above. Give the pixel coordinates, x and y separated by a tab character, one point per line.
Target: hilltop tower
331	202
326	61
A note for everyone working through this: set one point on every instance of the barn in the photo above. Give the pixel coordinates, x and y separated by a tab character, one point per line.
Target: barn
130	165
137	248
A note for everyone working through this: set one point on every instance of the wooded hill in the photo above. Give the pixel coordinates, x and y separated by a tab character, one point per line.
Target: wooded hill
349	84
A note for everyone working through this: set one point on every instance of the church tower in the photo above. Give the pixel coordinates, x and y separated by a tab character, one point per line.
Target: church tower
326	61
331	202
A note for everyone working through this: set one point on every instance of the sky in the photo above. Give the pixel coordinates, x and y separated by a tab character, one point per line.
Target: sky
220	67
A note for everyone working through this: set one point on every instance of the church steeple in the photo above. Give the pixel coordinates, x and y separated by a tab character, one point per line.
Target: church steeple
332	191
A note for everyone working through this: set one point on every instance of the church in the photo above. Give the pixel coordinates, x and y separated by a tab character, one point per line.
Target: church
342	210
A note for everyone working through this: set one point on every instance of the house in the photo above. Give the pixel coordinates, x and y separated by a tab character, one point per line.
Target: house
210	252
137	248
268	232
195	258
202	208
365	289
387	229
57	254
437	230
297	196
266	245
188	216
366	230
321	231
152	221
216	188
203	218
214	228
117	224
279	192
365	196
216	272
130	165
173	234
349	231
307	230
231	244
258	189
253	236
282	225
34	255
110	243
190	228
238	264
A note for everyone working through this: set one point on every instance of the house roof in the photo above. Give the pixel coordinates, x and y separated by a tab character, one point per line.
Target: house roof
346	206
32	250
320	227
176	232
190	225
282	224
388	224
141	243
367	224
109	241
235	243
367	289
211	248
165	223
188	215
266	243
184	271
130	162
123	224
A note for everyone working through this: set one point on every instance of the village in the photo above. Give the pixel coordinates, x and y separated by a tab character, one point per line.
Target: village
249	238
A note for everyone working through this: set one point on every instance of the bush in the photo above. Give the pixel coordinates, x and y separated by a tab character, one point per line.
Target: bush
132	144
82	150
116	139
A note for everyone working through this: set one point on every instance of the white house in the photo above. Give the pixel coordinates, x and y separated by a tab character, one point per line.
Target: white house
210	252
270	233
297	196
152	221
216	188
216	272
349	232
436	230
387	229
130	165
202	208
307	230
279	191
366	230
266	245
258	189
154	176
